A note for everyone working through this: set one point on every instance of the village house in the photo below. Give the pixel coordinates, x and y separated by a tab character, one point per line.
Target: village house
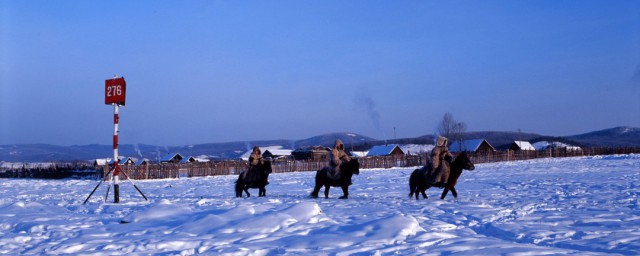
101	162
276	153
480	146
268	151
129	161
120	160
358	153
316	154
521	145
143	161
416	149
172	158
385	150
200	159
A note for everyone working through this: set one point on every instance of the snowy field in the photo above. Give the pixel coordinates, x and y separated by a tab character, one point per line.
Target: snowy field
583	206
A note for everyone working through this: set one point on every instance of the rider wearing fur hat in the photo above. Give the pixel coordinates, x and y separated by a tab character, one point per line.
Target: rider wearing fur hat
337	157
440	158
255	160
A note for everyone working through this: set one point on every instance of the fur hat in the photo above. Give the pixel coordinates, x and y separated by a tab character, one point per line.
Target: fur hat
441	141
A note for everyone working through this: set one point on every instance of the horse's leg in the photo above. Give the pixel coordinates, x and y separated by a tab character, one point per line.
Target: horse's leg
326	190
316	189
416	190
412	186
239	186
444	193
454	192
424	194
262	191
345	192
246	190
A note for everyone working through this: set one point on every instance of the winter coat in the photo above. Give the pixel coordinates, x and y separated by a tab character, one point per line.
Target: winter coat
337	157
255	160
440	167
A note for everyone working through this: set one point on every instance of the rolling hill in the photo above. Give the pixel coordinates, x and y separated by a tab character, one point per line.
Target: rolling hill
613	137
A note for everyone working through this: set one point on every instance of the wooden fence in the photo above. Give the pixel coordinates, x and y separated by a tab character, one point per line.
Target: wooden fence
230	167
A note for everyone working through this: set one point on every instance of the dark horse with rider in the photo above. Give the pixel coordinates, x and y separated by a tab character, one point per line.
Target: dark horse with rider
441	171
257	176
338	173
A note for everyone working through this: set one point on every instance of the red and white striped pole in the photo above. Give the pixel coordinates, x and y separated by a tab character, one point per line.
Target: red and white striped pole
116	161
114	94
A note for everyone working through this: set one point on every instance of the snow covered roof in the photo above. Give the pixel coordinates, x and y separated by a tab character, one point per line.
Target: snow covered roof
130	160
415	149
195	159
468	145
143	161
275	150
120	160
102	161
17	165
359	153
383	150
278	152
542	145
202	158
524	145
172	157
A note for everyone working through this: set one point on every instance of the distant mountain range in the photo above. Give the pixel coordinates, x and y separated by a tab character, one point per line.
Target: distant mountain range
614	137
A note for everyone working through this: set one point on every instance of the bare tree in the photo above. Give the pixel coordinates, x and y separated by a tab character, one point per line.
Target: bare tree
451	128
458	133
446	125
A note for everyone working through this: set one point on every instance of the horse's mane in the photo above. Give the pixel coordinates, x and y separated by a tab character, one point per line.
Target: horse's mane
461	156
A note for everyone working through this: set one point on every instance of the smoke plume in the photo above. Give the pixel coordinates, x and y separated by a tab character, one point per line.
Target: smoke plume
369	106
137	149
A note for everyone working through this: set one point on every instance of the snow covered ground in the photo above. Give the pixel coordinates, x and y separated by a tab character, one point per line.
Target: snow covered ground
584	206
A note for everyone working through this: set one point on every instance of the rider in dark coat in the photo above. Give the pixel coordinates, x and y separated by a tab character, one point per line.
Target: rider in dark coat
255	161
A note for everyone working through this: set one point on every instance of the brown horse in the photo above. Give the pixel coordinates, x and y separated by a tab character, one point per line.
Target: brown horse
418	182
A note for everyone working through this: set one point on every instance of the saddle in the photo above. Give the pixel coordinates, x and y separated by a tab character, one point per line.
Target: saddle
332	173
431	175
251	175
426	170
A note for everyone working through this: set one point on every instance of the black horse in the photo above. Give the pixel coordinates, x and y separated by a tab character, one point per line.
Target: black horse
346	171
258	178
418	181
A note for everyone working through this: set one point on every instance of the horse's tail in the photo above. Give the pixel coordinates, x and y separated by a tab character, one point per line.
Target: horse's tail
239	178
412	183
238	187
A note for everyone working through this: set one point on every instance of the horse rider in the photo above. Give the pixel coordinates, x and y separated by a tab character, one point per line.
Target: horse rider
337	157
440	159
255	161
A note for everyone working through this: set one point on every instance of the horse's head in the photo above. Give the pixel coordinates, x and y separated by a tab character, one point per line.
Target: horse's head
352	166
463	160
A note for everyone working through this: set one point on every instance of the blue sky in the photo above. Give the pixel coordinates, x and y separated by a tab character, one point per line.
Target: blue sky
217	71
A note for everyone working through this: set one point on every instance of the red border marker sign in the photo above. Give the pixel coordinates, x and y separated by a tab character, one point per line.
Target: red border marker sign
114	91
